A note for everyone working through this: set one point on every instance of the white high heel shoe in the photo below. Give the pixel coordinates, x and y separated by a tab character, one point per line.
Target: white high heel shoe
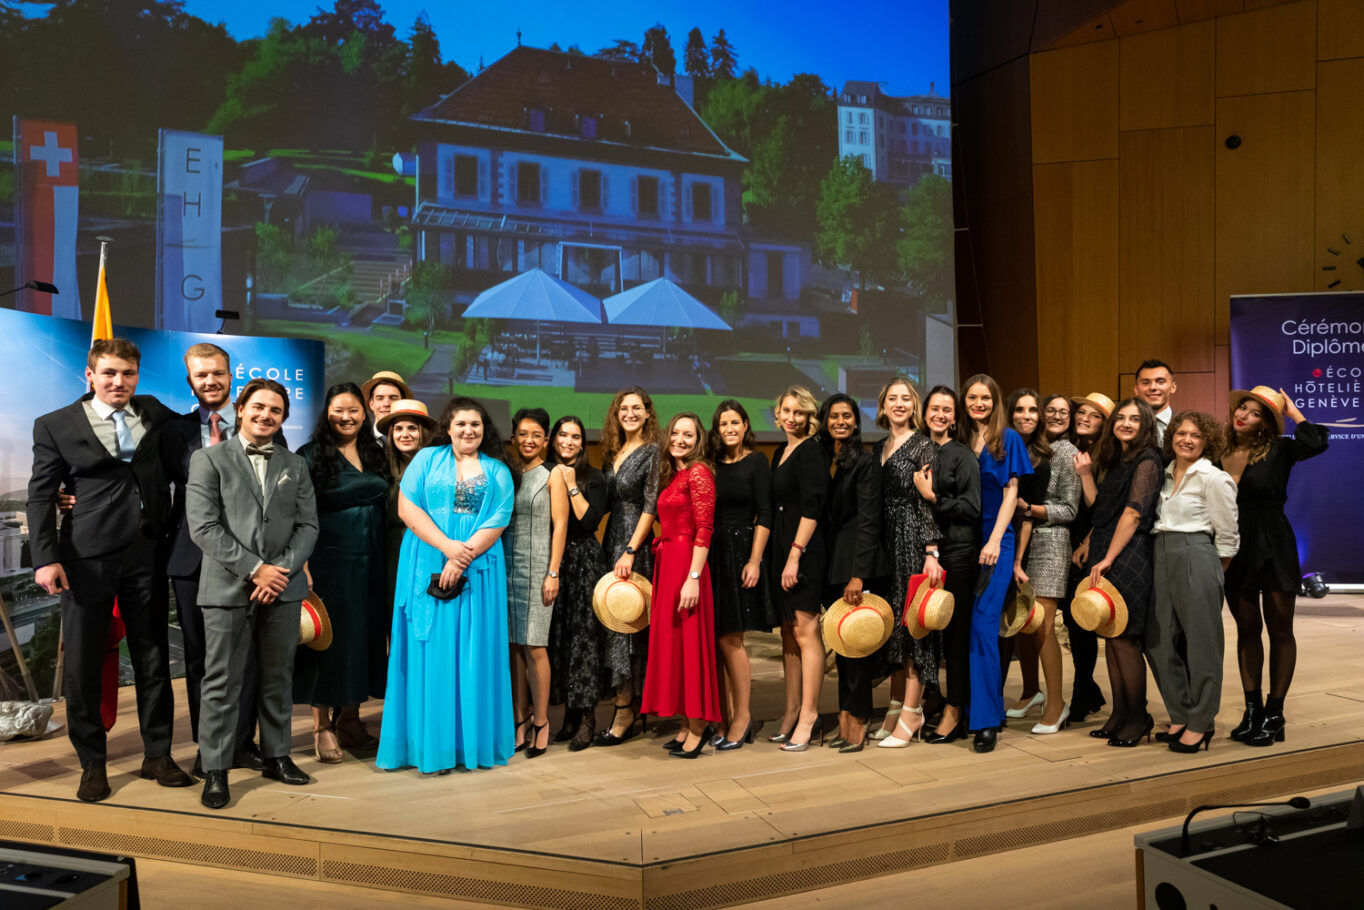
1061	722
892	712
894	741
1038	699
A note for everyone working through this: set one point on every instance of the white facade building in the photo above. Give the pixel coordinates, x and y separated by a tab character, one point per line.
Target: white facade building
899	139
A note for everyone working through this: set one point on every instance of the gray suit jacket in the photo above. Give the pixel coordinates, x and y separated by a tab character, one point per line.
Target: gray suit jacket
237	526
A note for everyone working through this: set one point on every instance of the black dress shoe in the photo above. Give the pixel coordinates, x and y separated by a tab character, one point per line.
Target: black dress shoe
284	770
197	772
94	785
248	757
215	790
985	740
165	772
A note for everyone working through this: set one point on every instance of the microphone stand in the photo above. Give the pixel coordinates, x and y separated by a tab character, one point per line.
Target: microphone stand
1297	802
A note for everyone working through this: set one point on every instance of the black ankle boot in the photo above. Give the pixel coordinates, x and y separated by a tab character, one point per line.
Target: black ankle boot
1251	719
1270	728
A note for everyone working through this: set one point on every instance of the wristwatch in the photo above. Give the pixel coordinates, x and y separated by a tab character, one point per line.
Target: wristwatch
553	574
694	576
931	551
572	491
629	551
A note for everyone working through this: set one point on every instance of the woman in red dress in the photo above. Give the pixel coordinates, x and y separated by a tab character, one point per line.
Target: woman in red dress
681	676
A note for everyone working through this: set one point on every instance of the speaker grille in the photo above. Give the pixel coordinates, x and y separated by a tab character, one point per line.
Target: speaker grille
807	879
1012	839
476	889
210	854
17	830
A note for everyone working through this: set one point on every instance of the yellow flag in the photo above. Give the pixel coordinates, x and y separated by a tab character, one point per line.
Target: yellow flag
103	323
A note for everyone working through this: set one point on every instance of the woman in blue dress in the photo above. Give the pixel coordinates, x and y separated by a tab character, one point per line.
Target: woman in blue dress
1003	459
449	680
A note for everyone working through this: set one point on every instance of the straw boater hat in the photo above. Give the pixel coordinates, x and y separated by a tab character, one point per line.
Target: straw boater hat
389	377
407	409
1271	399
858	631
1098	400
1022	614
314	625
927	609
622	604
1099	609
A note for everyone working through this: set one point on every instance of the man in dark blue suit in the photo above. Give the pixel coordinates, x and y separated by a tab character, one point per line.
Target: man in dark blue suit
208	370
110	451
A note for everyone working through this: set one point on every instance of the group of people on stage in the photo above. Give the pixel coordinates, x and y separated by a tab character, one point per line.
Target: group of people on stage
467	586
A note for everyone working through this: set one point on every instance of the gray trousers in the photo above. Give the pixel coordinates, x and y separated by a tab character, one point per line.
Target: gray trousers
1184	641
229	635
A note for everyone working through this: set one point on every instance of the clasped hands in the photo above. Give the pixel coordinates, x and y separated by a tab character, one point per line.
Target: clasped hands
270	581
458	555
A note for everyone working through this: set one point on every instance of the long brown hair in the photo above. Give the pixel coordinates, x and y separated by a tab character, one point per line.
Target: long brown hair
698	455
994	425
1039	450
579	464
398	461
1109	452
613	434
1260	441
717	445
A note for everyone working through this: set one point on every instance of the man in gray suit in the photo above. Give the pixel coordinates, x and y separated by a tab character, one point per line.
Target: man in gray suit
250	507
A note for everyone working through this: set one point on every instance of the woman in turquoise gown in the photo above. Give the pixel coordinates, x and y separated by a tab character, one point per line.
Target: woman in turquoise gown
449	680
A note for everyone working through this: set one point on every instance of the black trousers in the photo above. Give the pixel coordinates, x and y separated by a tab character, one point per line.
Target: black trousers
856	674
136	577
961	565
1084	653
192	632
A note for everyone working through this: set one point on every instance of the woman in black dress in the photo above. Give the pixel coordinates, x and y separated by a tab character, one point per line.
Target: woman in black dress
911	535
1024	407
1120	547
1260	459
857	562
347	570
575	638
800	484
407	429
629	446
953	491
743	521
1088	415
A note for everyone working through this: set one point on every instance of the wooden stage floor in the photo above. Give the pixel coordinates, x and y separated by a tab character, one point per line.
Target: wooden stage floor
630	828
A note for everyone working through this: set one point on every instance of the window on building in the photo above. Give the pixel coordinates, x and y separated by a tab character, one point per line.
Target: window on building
588	127
527	183
862	117
848	137
466	175
862	99
646	195
535	120
589	190
914	129
849	118
700	201
862	137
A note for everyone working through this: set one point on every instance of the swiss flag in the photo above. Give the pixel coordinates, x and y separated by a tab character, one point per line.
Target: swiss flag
47	210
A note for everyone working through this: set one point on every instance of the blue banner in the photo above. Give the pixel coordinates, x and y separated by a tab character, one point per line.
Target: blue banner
189	225
1312	347
44	357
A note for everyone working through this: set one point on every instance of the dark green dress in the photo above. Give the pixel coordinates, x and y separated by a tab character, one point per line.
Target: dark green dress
350	574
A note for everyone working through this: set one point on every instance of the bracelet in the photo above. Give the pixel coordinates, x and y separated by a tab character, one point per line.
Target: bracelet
796	546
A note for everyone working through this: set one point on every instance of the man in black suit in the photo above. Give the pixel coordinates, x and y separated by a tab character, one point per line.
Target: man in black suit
208	370
110	452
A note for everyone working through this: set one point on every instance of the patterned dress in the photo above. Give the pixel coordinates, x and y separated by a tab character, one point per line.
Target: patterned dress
632	491
527	545
1049	550
909	528
575	636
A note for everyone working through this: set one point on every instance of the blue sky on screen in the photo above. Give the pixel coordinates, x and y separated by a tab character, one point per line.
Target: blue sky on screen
902	44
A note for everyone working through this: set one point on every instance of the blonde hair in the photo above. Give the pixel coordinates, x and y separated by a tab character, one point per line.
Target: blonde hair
805	403
206	350
916	417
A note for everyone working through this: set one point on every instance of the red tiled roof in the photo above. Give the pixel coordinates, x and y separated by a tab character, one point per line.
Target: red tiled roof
630	105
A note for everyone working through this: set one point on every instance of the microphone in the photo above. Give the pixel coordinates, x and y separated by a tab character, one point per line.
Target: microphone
1297	802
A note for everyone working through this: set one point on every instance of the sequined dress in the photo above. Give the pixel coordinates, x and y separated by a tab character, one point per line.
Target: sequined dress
632	491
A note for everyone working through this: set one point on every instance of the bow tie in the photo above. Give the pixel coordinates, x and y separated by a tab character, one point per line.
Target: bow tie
264	451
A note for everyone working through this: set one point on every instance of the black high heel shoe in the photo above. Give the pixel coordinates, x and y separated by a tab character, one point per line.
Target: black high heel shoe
673	745
531	750
525	738
729	745
1255	709
1129	743
689	753
1269	730
1106	731
985	740
1170	736
607	738
569	727
957	732
1204	743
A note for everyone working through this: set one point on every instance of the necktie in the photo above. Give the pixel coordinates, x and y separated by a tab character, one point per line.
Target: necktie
264	451
215	429
126	446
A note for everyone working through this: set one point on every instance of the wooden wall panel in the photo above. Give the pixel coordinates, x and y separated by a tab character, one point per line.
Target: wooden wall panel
1269	50
1339	173
1165	253
1136	17
1002	244
1079	119
1265	225
1197	10
1340	29
1166	78
1199	391
1075	214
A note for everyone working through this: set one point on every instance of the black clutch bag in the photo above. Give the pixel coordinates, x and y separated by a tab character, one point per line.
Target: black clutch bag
982	579
436	591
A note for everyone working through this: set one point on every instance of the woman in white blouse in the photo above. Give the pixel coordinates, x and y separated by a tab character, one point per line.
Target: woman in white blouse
1195	532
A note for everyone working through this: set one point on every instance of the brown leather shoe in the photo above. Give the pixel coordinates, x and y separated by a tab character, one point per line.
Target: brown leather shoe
94	785
165	772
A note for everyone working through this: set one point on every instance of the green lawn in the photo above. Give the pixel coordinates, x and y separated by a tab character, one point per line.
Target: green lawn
592	407
365	353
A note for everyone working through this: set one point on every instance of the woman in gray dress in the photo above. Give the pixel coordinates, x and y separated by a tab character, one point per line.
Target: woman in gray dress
534	544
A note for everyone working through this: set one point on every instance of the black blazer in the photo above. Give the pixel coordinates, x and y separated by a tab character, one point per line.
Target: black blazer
185	554
852	522
115	500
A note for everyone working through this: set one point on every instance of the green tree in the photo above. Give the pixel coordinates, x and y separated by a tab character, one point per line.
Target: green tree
428	291
857	221
724	60
621	49
695	59
274	253
925	249
658	49
732	307
427	78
